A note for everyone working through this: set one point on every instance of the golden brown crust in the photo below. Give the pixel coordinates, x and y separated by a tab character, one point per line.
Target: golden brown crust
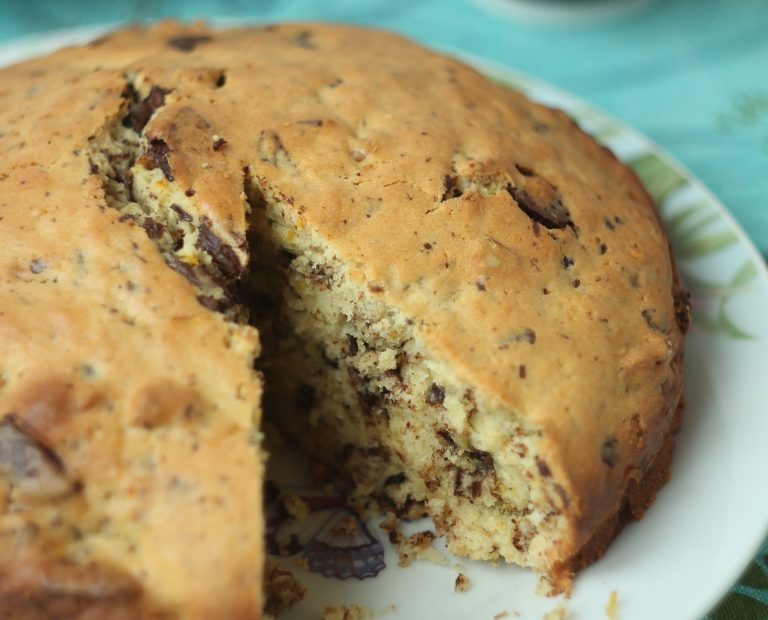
110	374
638	496
481	215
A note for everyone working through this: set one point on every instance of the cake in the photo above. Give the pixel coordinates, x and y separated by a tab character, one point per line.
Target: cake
451	296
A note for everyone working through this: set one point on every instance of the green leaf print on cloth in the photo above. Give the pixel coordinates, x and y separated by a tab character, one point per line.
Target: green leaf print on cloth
748	599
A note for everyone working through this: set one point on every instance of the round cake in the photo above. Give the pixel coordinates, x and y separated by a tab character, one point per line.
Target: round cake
449	295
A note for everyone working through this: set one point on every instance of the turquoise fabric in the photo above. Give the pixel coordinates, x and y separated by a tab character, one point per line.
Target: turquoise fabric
689	74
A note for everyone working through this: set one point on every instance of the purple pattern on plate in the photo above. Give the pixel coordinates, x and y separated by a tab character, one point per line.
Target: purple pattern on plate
334	541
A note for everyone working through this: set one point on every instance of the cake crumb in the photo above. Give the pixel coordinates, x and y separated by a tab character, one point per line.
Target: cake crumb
462	583
548	586
611	608
389	609
295	506
409	549
558	613
281	588
347	612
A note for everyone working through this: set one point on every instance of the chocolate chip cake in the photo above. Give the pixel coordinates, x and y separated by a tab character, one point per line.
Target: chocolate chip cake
464	305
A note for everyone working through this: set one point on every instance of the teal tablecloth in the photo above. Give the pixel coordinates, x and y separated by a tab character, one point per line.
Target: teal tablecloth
690	74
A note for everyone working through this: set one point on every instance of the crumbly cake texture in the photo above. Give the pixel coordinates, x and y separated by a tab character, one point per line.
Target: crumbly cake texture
467	308
281	588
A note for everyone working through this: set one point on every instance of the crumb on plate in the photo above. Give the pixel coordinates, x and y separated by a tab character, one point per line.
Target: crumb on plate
558	613
347	612
462	583
411	548
281	588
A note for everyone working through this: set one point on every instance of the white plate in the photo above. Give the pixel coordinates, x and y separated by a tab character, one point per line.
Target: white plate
707	522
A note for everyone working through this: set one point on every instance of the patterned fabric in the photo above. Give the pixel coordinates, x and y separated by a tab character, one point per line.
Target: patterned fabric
689	74
748	599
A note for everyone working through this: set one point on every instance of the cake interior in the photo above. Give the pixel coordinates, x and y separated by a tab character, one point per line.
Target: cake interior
347	376
348	379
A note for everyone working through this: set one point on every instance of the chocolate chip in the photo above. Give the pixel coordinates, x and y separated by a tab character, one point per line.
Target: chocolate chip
483	461
476	488
525	170
224	256
480	285
38	265
221	80
285	258
543	468
365	398
183	268
540	201
435	395
158	151
451	188
188	43
189	192
576	283
394	480
609	451
427	246
447	438
351	346
140	112
522	372
218	144
183	215
603	248
217	304
458	482
154	229
518	542
567	262
682	310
